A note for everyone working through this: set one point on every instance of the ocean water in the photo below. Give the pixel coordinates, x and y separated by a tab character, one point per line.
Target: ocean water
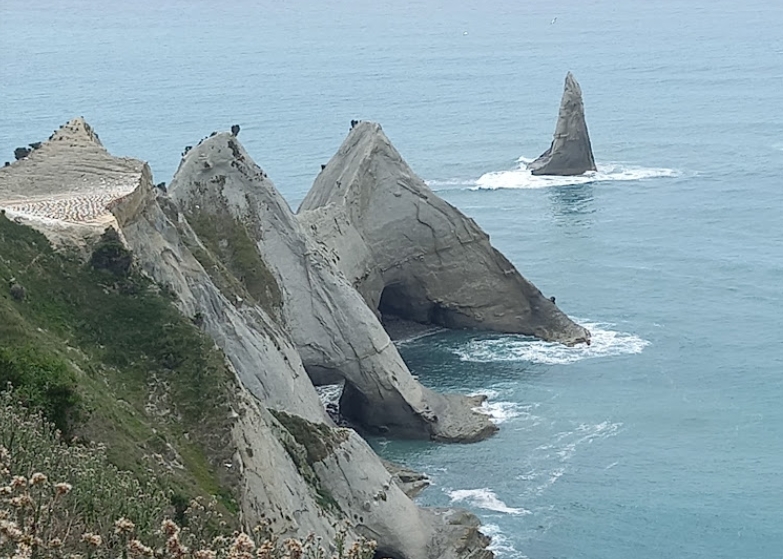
662	439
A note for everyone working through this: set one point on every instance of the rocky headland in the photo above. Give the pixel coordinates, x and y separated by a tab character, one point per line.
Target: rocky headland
413	255
288	301
570	152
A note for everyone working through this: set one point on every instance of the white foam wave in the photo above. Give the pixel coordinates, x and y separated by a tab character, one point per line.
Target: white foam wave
437	184
329	393
499	412
484	498
500	544
521	177
605	343
549	462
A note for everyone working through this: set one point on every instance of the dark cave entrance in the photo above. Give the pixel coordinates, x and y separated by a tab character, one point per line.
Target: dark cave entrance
403	303
396	302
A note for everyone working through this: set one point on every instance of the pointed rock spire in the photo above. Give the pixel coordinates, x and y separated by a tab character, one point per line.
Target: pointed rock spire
236	210
413	255
570	152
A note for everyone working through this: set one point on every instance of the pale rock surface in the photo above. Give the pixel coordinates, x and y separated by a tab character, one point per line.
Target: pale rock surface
413	255
387	515
570	152
63	187
334	332
272	483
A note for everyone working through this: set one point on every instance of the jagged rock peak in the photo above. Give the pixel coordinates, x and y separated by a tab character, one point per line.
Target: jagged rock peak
234	208
570	152
413	255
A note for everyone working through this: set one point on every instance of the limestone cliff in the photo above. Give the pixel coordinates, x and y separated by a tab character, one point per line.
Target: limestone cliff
414	255
235	209
570	152
67	196
294	467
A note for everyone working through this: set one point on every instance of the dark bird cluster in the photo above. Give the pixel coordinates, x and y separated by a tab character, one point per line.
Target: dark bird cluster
235	130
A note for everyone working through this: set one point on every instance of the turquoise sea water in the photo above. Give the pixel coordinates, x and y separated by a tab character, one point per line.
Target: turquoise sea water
664	438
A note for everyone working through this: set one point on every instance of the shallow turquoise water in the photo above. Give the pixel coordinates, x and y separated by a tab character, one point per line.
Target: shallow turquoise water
665	438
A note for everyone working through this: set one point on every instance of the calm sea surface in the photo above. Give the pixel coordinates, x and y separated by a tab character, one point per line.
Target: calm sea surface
665	437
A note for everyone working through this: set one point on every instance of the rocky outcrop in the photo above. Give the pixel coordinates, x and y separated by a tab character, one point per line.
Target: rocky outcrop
570	152
63	185
414	255
237	213
297	470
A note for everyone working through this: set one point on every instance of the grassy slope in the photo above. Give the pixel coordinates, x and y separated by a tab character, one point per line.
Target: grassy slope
148	382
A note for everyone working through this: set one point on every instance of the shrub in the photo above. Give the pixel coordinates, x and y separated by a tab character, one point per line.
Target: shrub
111	255
66	502
42	382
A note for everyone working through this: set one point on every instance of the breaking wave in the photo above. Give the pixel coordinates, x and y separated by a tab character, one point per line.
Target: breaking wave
485	499
522	178
329	393
500	544
605	343
500	412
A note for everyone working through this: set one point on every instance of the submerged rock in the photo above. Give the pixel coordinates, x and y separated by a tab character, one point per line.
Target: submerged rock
413	255
570	152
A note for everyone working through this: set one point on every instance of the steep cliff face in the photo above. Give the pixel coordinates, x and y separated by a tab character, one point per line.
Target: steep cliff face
570	152
290	464
412	254
237	212
290	475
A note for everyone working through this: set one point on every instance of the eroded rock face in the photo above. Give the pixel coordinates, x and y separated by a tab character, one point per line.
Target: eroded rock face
62	187
236	211
414	255
570	152
296	469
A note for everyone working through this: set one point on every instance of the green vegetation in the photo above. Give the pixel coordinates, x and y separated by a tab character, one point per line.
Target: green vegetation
67	502
45	382
108	358
228	239
306	444
110	254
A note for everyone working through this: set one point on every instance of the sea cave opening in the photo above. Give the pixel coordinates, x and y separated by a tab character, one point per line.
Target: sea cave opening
404	302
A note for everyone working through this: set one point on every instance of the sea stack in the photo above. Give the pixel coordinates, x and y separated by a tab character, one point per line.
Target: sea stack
414	256
570	152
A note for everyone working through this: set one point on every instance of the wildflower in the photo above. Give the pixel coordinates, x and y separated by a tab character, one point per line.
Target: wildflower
6	490
124	526
9	530
169	527
63	488
56	543
138	549
266	550
38	479
21	501
18	481
205	554
175	547
23	551
243	543
294	548
94	540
